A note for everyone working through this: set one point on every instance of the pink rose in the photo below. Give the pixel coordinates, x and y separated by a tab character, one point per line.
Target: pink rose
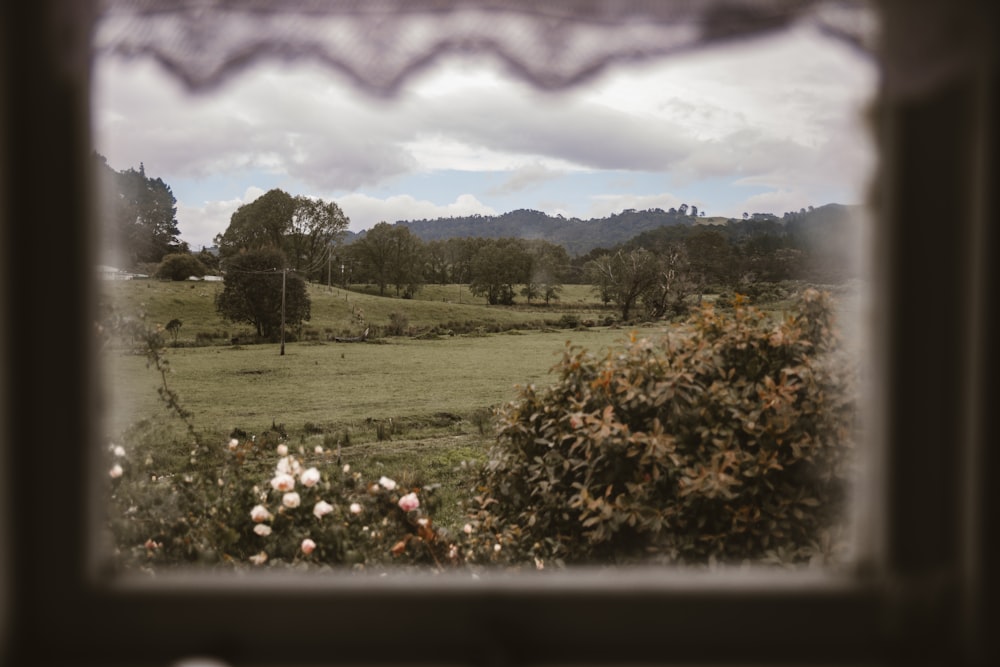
116	471
308	546
409	502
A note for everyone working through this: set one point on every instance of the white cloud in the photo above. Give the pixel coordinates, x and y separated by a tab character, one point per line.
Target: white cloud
777	114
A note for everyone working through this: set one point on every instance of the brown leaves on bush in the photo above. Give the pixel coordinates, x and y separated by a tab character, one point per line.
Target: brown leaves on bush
727	439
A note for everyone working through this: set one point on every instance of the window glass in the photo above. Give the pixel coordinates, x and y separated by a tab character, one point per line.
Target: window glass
619	324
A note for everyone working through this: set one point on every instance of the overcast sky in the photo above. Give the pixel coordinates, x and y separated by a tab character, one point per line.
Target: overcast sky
764	126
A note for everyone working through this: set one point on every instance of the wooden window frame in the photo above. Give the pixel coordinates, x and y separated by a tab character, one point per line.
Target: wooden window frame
928	597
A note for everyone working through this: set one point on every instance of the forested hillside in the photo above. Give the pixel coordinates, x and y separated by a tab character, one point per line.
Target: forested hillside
822	228
575	235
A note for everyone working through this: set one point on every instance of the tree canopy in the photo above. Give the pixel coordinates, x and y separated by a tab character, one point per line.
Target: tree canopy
253	292
141	215
303	228
390	255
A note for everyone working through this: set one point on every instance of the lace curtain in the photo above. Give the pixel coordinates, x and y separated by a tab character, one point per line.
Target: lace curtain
378	43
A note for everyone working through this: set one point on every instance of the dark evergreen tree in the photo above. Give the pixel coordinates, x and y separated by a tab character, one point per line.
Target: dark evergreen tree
141	213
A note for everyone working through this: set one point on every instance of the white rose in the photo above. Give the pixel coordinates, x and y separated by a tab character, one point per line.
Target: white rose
291	500
283	482
308	546
282	449
387	483
116	471
259	514
234	443
355	508
318	449
262	529
322	508
309	477
283	466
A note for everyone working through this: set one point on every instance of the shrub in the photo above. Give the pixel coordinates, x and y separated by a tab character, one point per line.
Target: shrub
728	440
399	324
180	266
569	321
253	502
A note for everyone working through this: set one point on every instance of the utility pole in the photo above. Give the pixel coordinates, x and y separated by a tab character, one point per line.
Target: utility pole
284	274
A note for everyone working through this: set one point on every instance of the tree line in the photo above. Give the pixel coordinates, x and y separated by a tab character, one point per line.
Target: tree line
496	269
662	270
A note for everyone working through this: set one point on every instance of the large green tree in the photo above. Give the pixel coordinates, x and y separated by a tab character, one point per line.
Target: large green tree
260	224
305	229
253	292
316	227
624	276
141	215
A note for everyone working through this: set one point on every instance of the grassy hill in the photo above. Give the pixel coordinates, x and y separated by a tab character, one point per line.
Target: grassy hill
339	312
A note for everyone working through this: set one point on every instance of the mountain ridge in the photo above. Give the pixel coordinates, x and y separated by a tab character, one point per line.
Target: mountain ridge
579	236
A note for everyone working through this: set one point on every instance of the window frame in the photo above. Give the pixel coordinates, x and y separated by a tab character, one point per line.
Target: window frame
926	598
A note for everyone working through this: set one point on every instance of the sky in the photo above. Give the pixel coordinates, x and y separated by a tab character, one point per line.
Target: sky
768	125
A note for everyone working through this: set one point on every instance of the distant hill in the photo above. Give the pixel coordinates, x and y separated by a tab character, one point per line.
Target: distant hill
581	236
577	236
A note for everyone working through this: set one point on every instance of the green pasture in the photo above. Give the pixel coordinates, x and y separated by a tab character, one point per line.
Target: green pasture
333	386
415	410
340	312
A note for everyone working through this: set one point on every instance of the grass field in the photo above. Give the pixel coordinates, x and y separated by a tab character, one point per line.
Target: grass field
410	408
343	385
339	312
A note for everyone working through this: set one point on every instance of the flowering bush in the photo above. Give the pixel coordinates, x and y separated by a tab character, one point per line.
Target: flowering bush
729	440
264	507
